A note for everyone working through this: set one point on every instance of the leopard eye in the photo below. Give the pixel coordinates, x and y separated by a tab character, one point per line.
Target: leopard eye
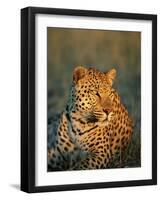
98	94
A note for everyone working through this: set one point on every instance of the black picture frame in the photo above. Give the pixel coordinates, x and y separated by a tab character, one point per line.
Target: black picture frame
28	98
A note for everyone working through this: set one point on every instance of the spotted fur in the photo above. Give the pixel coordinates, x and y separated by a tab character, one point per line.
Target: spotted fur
94	127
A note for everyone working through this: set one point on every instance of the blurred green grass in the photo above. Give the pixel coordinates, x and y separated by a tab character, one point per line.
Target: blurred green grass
68	48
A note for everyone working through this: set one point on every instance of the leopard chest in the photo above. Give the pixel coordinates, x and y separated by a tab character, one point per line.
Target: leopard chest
96	141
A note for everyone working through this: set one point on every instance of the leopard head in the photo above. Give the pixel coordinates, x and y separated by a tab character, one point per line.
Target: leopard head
90	96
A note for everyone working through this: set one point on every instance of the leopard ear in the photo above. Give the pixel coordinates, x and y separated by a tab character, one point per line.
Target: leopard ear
78	73
111	76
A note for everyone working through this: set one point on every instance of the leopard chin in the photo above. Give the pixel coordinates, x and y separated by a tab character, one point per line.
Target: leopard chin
96	117
91	119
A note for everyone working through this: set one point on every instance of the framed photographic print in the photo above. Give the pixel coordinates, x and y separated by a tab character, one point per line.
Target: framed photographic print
88	99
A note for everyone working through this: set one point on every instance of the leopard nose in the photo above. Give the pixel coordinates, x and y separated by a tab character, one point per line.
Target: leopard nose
106	110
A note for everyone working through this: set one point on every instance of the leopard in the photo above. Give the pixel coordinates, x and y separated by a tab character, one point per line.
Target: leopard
94	128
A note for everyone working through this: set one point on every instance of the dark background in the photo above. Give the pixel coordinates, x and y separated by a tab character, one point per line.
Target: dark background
104	50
